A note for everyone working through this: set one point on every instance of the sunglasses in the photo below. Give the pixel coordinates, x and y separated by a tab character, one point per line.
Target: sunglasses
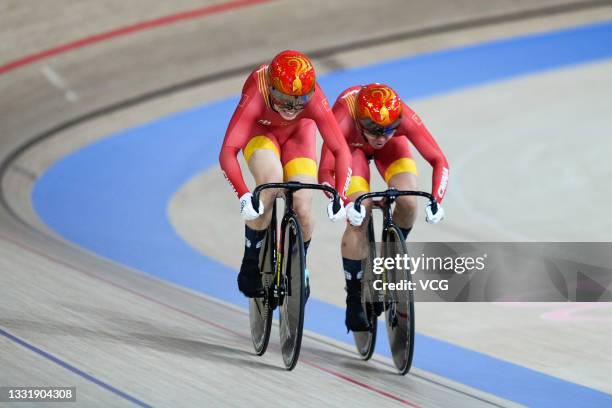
375	129
289	102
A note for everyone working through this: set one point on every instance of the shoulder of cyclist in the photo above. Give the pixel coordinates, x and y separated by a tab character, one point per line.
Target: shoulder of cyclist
413	128
250	105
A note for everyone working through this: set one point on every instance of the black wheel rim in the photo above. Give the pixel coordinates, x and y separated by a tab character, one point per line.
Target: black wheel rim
292	306
261	309
366	341
399	306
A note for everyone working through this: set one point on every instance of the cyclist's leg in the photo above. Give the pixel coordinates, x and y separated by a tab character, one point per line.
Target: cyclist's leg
298	156
405	211
262	154
263	158
299	164
354	246
353	240
396	165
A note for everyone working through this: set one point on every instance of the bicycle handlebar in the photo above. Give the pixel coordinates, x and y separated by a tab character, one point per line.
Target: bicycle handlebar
394	193
295	186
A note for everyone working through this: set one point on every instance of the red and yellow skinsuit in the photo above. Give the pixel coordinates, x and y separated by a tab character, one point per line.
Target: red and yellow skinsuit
256	125
393	158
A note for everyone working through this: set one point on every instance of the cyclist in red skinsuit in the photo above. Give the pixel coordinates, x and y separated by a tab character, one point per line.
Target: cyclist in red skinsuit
378	125
274	125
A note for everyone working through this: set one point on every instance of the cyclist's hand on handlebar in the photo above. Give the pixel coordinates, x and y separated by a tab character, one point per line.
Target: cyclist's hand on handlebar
340	215
354	217
434	218
246	207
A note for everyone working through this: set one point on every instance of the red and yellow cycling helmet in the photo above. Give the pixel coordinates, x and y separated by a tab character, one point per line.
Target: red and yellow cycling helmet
379	109
292	78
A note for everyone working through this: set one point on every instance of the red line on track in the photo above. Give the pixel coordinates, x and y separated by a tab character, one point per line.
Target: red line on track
336	374
129	29
359	383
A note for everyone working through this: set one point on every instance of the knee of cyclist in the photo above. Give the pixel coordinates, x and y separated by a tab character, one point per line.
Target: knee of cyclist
273	176
357	230
407	205
353	237
303	210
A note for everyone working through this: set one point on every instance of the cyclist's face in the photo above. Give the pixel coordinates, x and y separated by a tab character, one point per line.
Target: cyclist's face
289	107
378	135
376	141
287	114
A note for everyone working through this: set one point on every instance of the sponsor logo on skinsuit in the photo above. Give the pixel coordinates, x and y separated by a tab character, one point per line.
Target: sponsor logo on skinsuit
231	185
347	182
243	100
443	182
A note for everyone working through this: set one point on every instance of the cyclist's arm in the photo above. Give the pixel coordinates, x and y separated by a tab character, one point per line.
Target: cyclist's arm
326	166
328	161
420	137
237	135
335	142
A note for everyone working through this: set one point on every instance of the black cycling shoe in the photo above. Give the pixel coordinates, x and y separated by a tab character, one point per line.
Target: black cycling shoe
356	319
378	308
249	279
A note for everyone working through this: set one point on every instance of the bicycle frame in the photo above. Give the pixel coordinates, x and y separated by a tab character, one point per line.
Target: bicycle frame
290	276
390	196
290	188
279	290
399	330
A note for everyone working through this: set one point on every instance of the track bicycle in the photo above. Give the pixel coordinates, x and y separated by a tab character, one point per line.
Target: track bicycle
282	265
398	305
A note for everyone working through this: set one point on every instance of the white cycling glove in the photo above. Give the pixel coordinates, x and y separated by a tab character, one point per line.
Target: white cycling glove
434	218
246	207
355	218
340	215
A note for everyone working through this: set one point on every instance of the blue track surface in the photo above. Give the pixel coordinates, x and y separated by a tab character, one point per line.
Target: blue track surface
111	197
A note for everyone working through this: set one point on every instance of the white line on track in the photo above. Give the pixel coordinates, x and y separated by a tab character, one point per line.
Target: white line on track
57	81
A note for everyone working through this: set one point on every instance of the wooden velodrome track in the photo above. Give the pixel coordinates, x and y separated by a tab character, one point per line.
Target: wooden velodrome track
68	317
